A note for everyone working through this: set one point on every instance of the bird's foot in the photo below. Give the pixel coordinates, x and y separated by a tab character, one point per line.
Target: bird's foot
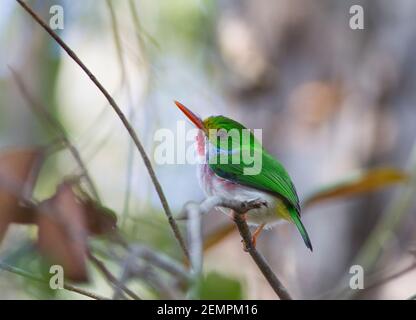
245	247
254	237
256	233
253	244
256	203
243	216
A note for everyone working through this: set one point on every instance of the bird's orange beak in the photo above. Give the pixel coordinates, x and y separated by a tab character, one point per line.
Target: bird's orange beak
192	116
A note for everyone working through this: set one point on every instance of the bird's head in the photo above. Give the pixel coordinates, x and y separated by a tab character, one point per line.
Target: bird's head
221	132
212	126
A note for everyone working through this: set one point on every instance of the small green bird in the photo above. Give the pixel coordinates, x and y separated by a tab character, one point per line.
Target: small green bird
225	171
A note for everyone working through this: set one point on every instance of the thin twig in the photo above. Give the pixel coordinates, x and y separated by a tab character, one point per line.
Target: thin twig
110	277
140	31
240	208
195	248
124	277
387	225
67	287
379	282
138	263
160	285
374	280
195	239
268	273
123	119
161	261
143	60
141	262
58	127
131	114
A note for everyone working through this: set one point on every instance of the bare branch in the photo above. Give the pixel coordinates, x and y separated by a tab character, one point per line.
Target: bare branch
154	280
141	262
123	119
111	278
67	287
373	280
195	239
161	261
240	208
131	114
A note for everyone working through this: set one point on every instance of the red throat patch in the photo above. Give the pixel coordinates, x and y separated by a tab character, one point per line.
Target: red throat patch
200	143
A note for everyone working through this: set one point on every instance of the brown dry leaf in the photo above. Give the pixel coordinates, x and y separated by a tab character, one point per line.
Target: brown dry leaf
100	220
25	215
18	172
362	182
62	234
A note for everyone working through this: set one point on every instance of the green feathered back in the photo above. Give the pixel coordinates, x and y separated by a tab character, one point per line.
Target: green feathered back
231	143
271	176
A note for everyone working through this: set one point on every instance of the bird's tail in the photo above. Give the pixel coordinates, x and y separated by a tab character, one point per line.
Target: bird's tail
296	220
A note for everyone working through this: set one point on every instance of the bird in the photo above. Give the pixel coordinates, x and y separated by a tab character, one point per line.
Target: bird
223	171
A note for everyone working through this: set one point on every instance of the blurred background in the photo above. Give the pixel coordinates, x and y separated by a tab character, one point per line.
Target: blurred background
331	101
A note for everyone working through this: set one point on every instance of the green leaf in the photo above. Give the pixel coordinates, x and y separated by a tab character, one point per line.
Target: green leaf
216	286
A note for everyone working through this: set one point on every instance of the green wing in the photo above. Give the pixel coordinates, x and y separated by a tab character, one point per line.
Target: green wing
271	177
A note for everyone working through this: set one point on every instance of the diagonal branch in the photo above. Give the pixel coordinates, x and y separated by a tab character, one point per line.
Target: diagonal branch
67	287
374	280
240	208
123	119
261	262
111	278
42	111
131	114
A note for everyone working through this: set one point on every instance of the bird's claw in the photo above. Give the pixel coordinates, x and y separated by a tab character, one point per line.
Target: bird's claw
256	203
245	248
252	244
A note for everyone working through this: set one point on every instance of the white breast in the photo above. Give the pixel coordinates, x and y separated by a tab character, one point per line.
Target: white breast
214	185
